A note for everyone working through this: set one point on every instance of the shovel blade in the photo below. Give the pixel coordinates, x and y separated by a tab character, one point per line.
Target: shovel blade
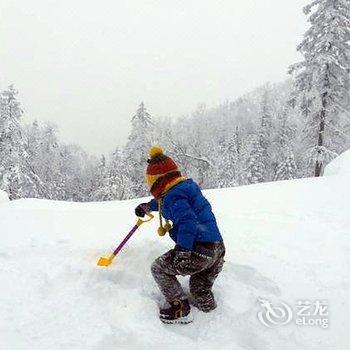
104	261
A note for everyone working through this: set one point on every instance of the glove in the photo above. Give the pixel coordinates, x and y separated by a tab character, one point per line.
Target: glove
142	209
182	260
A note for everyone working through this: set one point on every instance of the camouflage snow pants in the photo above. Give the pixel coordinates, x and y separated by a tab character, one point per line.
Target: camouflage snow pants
207	260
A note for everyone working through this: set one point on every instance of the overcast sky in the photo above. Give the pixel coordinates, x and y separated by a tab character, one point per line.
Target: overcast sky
86	65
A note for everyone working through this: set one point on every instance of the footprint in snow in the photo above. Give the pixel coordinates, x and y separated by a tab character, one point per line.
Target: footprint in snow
252	277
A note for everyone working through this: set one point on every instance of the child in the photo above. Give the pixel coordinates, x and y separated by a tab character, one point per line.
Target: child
199	250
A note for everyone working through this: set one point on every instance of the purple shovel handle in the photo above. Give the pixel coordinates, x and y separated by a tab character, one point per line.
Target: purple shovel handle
127	237
121	245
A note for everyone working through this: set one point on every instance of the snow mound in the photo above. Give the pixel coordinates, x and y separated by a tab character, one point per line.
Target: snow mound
3	196
339	166
286	242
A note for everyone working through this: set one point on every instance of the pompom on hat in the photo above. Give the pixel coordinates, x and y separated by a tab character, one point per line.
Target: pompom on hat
155	151
162	172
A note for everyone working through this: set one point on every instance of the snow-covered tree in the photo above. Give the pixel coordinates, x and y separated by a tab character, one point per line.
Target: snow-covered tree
285	135
139	141
229	162
17	177
259	159
44	155
118	185
77	169
323	80
256	167
101	181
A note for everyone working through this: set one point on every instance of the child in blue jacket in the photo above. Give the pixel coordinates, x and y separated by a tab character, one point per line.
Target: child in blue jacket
199	250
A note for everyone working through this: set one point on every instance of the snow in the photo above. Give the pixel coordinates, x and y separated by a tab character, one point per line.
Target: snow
339	166
286	241
3	196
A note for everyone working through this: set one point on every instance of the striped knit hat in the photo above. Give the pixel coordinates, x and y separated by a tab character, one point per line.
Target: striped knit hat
162	172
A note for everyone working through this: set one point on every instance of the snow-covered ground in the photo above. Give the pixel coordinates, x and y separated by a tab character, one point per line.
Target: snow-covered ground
286	242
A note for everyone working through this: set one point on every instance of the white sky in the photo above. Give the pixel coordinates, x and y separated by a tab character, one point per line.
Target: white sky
86	65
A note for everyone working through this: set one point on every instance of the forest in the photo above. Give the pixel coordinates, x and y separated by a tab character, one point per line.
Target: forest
280	131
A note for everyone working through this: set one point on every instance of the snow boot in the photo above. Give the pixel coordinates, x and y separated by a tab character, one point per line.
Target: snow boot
178	312
205	303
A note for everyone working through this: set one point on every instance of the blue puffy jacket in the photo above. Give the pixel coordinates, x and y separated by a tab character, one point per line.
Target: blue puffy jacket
190	213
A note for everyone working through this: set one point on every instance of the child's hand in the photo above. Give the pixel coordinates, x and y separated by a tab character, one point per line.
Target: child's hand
142	209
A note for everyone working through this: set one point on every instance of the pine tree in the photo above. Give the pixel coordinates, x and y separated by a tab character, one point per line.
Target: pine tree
76	167
229	162
256	167
51	160
323	80
101	181
259	160
285	165
17	177
44	156
118	184
139	142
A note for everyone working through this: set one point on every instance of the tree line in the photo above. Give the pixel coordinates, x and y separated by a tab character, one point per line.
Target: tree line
277	132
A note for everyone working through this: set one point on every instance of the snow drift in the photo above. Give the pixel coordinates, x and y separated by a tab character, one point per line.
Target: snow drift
339	166
286	241
3	196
